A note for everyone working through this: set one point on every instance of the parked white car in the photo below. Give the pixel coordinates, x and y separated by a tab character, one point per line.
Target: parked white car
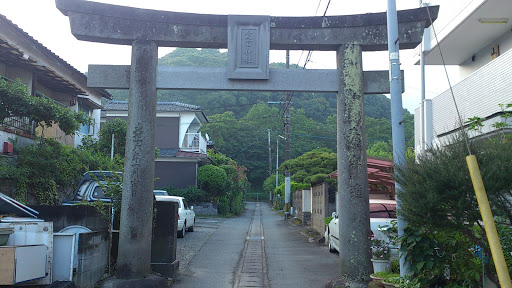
382	212
160	193
186	215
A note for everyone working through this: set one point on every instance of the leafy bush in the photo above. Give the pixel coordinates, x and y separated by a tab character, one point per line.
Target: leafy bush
212	180
294	186
437	194
45	168
191	193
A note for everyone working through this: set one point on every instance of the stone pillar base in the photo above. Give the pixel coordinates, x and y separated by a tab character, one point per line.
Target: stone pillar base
151	281
169	270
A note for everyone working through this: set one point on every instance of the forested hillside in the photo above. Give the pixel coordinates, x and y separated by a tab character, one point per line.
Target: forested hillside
239	121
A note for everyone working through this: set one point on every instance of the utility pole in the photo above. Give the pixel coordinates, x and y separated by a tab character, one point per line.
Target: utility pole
422	91
287	192
397	116
287	115
269	162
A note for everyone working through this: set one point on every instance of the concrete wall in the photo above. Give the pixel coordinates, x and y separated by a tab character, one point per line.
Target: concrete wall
205	208
92	258
319	207
64	216
297	205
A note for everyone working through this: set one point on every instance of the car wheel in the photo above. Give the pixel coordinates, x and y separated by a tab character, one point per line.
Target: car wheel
331	249
181	233
191	228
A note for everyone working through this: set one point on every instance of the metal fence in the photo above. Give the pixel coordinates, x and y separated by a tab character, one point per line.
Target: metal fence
22	124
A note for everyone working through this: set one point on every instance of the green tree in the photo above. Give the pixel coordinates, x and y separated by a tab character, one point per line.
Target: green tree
312	167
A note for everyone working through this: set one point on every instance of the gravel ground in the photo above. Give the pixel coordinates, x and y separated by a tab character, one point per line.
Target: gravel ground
188	246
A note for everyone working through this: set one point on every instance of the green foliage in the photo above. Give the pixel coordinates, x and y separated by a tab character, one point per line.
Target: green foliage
294	186
394	265
380	150
270	183
380	249
311	167
437	191
212	179
327	220
430	252
234	186
113	189
46	167
117	127
437	194
191	193
385	274
16	101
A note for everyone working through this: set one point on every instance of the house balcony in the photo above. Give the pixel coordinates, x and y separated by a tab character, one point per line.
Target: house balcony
463	28
194	142
19	125
478	95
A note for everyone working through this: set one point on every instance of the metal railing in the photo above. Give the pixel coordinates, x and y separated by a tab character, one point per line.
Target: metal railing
194	142
22	124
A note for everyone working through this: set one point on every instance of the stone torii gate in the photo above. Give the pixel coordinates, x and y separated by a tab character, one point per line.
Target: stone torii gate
248	39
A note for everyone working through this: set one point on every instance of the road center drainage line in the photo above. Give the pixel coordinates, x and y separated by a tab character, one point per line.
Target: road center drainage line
252	270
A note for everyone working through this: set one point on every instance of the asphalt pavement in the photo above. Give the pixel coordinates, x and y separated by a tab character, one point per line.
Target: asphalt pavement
218	253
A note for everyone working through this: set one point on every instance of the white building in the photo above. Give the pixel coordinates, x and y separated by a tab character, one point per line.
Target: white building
476	36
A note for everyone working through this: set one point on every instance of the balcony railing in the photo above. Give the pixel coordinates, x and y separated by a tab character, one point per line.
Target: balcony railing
22	124
194	142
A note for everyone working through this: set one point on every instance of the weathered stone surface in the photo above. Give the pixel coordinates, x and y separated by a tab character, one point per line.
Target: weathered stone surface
148	282
248	47
163	245
106	23
352	177
139	167
185	78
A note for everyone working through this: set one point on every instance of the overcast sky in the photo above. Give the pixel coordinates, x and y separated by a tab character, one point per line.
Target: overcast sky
46	24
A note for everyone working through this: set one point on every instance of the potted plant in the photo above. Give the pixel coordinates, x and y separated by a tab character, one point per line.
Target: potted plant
379	276
392	281
380	255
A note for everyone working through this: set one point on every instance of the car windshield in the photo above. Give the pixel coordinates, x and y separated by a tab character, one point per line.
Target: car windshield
380	210
160	193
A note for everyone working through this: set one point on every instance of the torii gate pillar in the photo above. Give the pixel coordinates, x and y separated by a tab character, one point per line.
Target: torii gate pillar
137	203
352	177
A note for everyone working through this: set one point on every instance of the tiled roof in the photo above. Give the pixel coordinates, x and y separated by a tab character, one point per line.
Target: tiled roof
160	106
167	152
47	73
179	153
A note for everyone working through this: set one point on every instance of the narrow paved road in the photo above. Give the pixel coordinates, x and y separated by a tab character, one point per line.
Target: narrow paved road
257	249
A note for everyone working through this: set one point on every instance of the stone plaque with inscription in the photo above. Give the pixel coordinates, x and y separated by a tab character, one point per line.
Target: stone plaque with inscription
248	47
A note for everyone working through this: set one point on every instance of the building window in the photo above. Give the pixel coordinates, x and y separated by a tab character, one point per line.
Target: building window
495	52
84	128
